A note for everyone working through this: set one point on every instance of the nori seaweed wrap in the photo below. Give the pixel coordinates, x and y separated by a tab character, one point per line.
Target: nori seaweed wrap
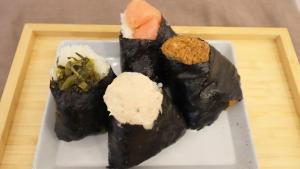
144	120
141	39
79	80
202	81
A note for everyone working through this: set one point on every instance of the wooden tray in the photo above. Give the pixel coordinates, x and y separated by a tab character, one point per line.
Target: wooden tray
266	62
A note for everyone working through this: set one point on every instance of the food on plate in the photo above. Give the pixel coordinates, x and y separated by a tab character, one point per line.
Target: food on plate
79	80
143	30
202	81
143	120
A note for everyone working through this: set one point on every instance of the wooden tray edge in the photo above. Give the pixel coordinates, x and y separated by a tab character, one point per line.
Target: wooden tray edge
13	85
290	65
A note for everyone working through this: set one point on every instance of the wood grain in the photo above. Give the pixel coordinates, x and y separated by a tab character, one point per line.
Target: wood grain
265	60
14	81
290	65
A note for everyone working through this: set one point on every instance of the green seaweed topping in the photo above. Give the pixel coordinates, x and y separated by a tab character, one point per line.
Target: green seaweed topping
78	72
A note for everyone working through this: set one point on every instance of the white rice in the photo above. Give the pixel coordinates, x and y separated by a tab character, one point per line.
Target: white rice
125	29
134	99
101	66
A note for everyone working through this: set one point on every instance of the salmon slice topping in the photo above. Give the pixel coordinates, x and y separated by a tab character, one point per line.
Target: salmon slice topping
143	19
148	31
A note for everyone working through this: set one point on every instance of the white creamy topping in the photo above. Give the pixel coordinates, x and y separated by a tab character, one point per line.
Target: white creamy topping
101	66
134	99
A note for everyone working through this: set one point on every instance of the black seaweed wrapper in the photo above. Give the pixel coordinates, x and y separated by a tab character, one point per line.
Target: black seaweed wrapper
202	91
144	56
130	145
80	114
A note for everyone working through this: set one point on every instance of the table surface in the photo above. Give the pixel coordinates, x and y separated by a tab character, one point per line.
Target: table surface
13	14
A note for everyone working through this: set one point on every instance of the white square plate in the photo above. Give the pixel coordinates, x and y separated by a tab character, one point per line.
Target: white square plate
226	144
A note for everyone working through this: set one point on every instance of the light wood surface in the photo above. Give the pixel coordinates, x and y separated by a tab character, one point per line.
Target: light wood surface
12	92
265	59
